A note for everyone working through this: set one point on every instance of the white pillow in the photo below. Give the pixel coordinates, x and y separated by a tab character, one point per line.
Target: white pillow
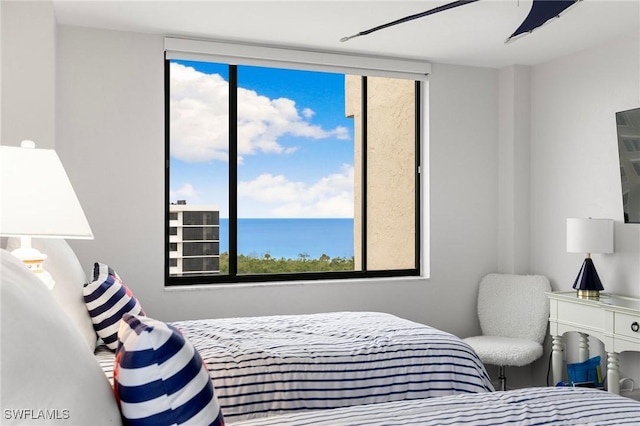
49	375
67	272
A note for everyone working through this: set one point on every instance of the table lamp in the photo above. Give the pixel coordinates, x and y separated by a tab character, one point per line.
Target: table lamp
37	200
589	236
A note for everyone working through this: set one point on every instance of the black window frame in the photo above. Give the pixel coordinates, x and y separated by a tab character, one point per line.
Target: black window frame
232	277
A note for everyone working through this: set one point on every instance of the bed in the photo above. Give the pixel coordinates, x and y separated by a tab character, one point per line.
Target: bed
532	406
278	364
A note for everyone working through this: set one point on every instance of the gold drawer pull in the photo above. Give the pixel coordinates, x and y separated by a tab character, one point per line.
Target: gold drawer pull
635	326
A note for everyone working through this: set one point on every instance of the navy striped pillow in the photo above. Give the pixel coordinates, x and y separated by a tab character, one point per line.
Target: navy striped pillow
159	377
108	299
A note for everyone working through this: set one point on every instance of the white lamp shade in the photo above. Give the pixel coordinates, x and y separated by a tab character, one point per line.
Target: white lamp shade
589	235
36	196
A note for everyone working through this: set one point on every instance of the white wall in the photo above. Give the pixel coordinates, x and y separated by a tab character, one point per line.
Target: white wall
27	40
110	136
574	153
514	186
575	169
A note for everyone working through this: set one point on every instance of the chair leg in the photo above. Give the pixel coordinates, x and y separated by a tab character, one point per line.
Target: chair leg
502	379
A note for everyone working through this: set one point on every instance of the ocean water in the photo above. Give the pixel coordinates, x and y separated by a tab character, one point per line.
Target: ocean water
289	238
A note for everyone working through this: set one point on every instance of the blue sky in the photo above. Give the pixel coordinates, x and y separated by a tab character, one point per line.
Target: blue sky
295	143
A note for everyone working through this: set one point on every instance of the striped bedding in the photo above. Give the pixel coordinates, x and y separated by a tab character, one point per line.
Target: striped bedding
279	364
533	406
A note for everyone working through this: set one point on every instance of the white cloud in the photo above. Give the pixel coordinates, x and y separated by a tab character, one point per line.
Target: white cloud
199	115
185	192
274	196
200	119
341	132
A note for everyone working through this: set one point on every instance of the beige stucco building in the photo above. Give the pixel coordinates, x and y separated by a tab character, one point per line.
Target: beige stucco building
391	165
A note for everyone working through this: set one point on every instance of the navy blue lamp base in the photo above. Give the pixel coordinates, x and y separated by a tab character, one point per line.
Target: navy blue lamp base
588	282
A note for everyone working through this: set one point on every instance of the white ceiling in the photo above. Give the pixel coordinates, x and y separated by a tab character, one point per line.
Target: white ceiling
472	34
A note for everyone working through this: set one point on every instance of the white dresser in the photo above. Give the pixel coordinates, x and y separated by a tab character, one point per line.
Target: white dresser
614	320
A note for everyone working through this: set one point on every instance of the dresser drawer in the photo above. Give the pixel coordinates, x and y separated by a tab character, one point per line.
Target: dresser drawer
623	325
589	317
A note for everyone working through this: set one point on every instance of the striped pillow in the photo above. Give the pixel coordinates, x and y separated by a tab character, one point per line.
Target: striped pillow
107	299
159	377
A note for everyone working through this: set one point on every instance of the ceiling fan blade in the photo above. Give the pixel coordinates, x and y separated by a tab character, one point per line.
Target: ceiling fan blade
411	17
541	12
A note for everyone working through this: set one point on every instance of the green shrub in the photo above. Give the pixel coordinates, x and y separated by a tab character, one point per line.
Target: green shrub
253	264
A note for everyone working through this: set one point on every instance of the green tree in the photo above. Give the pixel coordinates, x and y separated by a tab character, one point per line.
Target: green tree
252	264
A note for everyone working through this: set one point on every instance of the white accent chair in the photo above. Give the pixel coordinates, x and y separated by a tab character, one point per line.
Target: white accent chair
514	313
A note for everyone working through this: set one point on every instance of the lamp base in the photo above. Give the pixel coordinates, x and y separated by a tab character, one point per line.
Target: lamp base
34	259
588	282
589	294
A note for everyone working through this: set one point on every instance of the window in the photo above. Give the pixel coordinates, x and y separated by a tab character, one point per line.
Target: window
200	249
290	174
631	144
201	217
199	233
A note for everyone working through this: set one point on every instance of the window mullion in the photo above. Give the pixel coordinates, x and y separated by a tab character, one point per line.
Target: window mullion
418	163
233	170
167	171
364	174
